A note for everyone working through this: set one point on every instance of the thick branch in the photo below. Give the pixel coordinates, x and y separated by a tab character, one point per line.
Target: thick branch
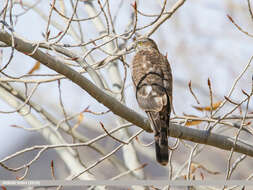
118	108
53	63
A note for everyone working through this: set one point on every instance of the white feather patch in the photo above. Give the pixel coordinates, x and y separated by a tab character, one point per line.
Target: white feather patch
148	89
154	93
158	100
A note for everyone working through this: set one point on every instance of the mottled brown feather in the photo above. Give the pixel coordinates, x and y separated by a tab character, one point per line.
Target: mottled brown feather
152	78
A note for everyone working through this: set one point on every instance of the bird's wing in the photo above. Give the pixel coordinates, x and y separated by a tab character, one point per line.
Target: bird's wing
153	82
148	76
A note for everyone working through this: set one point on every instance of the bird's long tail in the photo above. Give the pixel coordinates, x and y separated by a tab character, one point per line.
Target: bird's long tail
160	124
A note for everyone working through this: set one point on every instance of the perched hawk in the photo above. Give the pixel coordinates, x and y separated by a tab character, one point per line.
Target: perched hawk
151	74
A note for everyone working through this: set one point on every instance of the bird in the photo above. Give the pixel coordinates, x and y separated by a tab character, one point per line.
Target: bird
152	79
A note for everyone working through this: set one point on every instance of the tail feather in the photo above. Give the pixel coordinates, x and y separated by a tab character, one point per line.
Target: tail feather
162	155
159	122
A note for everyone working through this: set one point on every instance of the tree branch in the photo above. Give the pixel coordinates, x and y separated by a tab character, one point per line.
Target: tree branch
165	17
118	108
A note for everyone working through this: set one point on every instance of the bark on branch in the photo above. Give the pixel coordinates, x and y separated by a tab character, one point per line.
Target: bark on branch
115	106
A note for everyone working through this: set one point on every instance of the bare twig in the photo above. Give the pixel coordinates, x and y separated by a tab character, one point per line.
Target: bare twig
120	109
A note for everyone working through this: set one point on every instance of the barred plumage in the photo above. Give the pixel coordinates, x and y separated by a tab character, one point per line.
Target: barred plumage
152	78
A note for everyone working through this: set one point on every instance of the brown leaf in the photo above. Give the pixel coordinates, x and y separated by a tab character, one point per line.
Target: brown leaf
35	67
206	169
79	120
194	122
193	168
208	108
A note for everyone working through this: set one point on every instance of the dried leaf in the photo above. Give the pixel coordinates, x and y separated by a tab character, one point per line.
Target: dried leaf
216	105
193	122
79	120
193	167
35	67
207	170
208	108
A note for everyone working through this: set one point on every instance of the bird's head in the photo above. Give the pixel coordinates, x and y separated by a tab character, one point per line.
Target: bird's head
145	43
